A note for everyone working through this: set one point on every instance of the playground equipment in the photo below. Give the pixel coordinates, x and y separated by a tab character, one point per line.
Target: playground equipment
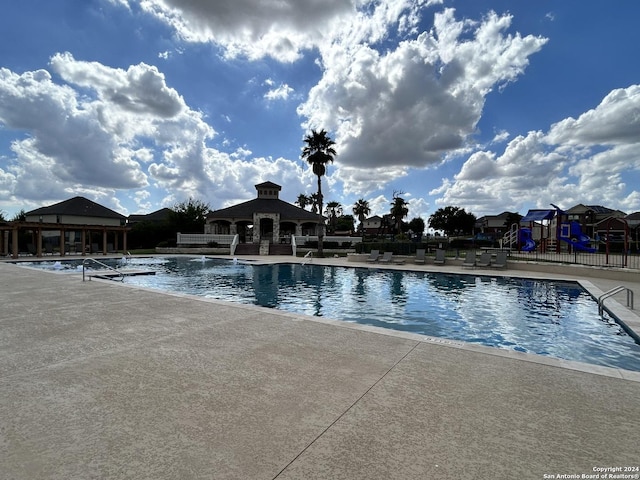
547	228
571	232
526	240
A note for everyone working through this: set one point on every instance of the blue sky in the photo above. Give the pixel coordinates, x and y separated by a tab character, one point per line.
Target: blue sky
487	105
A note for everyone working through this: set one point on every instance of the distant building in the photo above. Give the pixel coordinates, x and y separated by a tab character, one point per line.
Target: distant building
158	216
493	225
76	211
372	225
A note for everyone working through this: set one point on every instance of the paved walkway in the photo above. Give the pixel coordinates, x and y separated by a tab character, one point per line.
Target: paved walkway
101	380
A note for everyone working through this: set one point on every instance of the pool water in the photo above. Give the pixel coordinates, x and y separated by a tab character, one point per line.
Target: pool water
557	319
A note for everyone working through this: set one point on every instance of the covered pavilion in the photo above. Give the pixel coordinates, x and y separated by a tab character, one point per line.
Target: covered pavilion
75	226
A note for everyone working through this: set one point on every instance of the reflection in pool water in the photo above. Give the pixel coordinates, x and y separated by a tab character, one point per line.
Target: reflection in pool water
557	319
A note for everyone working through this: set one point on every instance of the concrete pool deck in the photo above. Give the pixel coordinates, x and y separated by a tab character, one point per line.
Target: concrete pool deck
101	380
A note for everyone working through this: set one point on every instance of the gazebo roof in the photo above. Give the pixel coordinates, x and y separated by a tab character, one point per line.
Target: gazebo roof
246	210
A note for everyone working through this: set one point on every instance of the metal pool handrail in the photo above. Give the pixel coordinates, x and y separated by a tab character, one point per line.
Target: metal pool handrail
84	262
613	291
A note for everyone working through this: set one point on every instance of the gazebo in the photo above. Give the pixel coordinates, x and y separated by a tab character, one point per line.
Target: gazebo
263	219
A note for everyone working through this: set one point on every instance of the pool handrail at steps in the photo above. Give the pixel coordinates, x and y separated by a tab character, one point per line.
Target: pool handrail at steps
614	291
84	262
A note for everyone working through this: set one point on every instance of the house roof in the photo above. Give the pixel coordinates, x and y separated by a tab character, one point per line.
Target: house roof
264	205
77	206
157	216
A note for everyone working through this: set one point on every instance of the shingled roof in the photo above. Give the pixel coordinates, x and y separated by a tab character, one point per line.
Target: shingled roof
79	207
264	205
157	216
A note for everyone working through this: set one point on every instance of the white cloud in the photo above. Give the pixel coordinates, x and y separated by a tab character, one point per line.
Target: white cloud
587	160
615	121
411	106
282	92
280	29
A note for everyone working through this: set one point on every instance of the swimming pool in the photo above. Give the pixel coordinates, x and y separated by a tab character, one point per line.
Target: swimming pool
557	319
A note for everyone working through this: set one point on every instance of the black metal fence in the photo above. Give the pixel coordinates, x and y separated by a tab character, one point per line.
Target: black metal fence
618	260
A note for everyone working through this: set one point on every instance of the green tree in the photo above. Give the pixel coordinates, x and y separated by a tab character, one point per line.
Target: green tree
190	216
361	210
318	152
416	225
345	223
399	210
511	219
452	221
333	210
20	216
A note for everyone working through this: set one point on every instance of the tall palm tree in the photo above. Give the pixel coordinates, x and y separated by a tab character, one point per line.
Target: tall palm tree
361	210
318	152
333	211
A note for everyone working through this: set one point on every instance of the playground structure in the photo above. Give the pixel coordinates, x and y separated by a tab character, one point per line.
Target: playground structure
571	233
532	233
547	231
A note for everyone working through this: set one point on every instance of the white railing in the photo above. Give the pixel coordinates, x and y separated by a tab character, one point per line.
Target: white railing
301	239
204	239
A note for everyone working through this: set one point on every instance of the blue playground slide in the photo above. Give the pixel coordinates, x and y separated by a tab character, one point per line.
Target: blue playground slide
572	233
526	240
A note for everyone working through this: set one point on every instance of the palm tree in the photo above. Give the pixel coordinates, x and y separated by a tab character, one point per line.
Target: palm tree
313	198
399	210
361	210
303	200
333	211
319	152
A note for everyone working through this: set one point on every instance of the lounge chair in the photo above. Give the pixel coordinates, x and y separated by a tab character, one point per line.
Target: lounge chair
500	261
485	260
419	256
373	256
469	259
386	257
398	261
440	259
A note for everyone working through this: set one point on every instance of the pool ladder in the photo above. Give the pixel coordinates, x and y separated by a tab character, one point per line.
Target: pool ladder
614	291
104	265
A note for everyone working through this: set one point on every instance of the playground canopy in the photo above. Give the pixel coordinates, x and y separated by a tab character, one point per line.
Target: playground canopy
538	215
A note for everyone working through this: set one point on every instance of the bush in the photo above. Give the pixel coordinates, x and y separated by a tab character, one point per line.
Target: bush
167	244
212	244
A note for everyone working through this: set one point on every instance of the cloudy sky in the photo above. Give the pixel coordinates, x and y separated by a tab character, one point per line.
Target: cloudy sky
489	105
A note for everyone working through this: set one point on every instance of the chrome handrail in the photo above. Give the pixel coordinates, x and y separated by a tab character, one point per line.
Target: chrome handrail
614	291
101	264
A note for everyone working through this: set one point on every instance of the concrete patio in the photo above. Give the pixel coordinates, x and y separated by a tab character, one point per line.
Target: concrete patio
101	380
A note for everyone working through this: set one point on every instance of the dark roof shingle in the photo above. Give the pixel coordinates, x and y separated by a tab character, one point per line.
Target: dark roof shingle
77	206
